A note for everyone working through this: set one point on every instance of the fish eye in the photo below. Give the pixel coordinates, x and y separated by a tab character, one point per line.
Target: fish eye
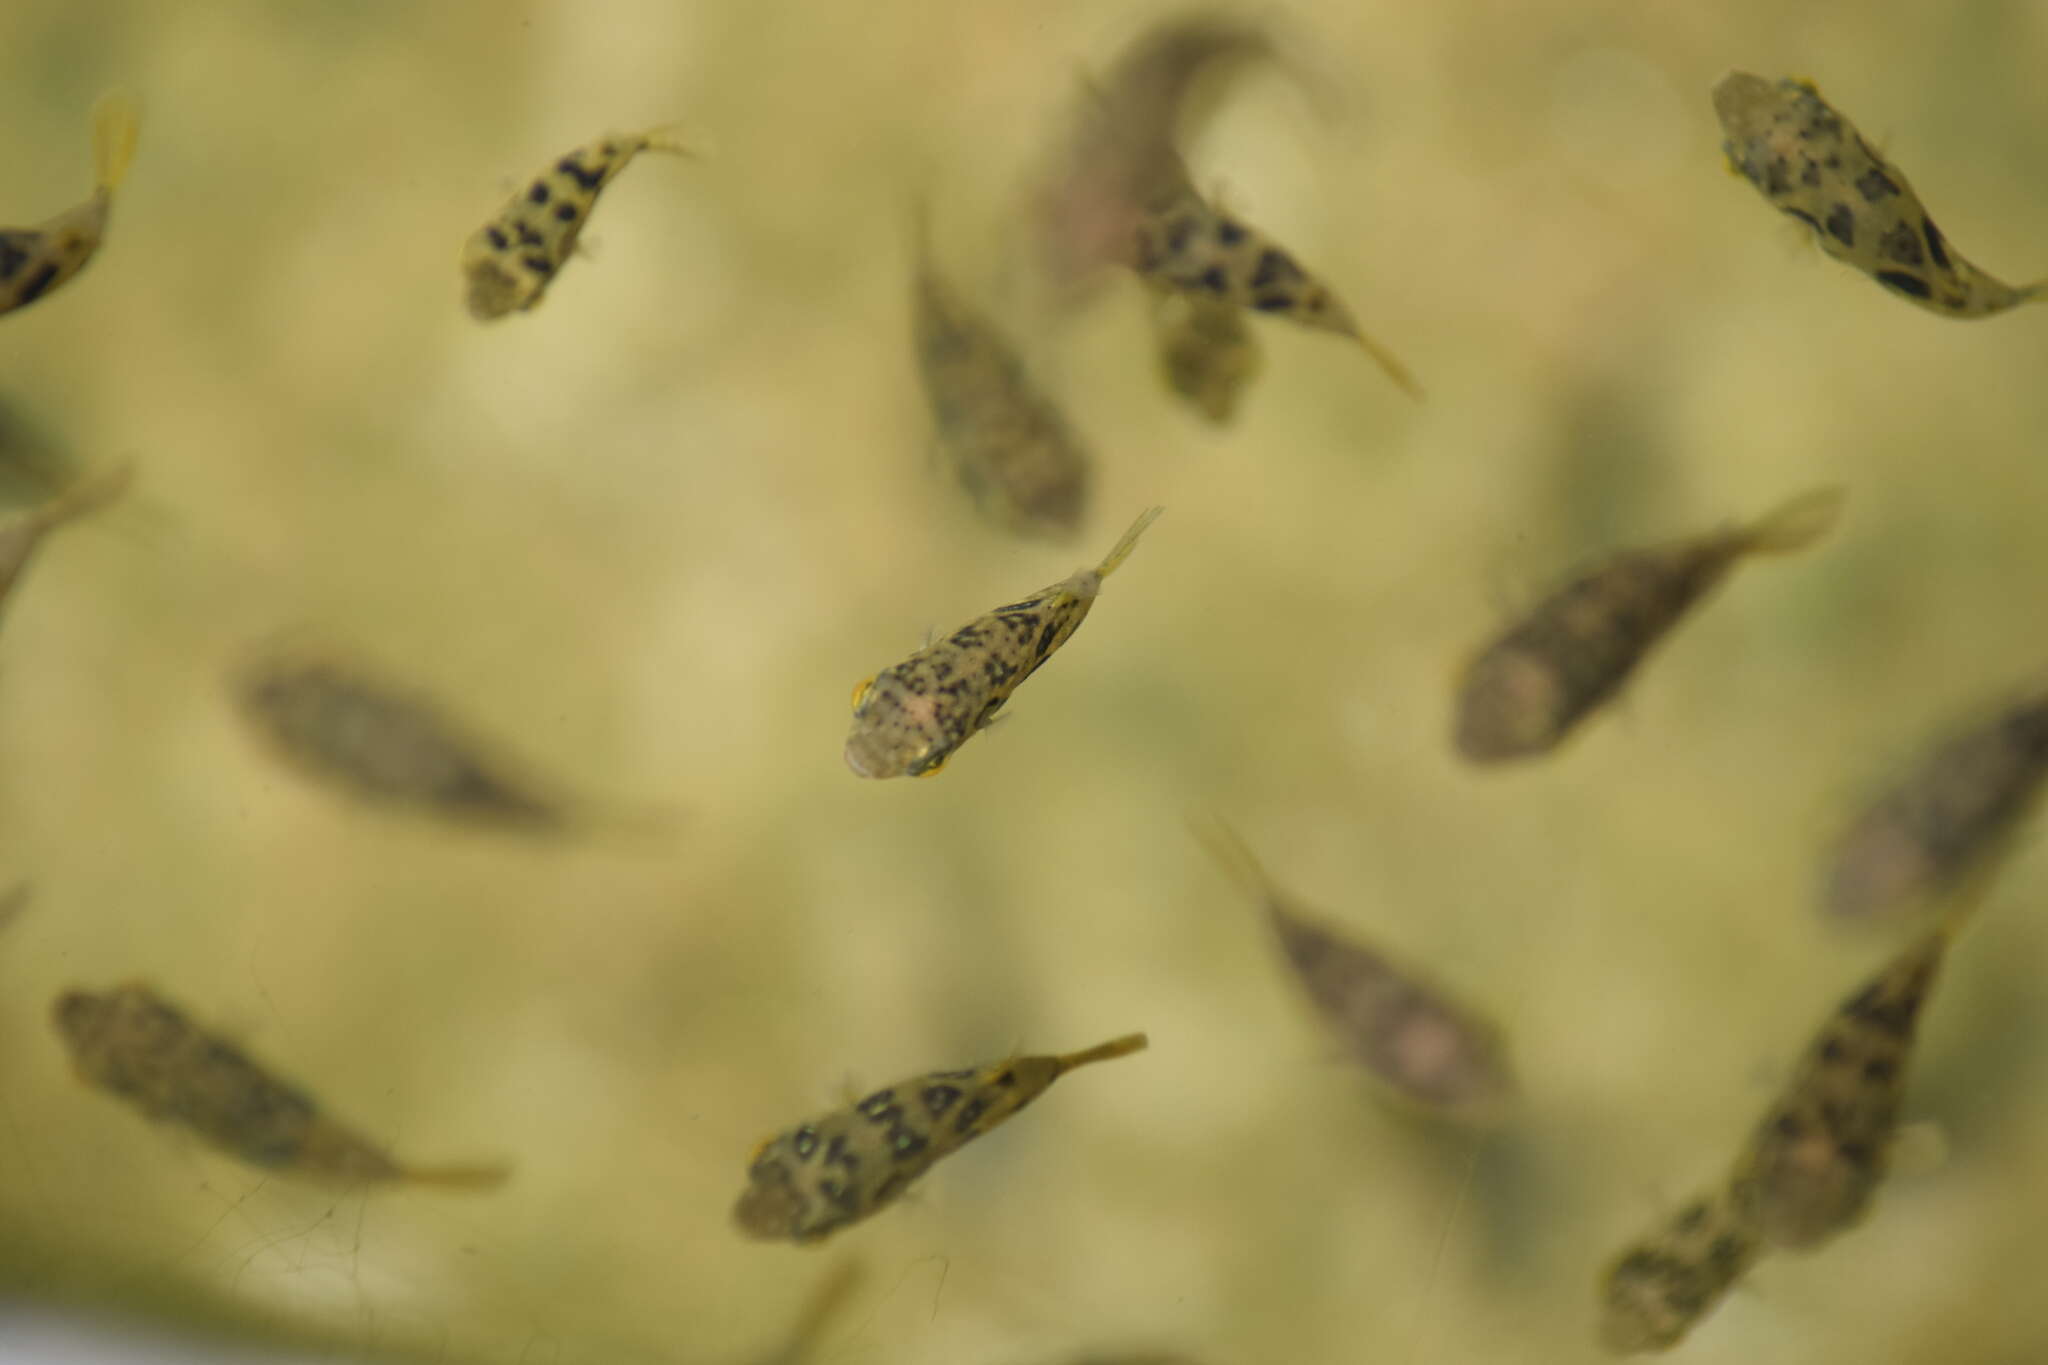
861	690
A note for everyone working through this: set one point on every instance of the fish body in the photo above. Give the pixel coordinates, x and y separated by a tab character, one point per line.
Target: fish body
382	743
137	1046
1008	444
1811	163
1656	1290
1821	1150
910	718
1427	1046
21	536
1532	685
1944	823
1207	355
510	261
822	1175
34	261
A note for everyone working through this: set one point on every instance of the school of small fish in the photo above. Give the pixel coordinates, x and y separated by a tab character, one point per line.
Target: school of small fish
1120	198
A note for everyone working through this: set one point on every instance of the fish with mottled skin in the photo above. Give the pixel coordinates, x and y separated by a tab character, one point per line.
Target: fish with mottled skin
1811	163
1941	828
1008	444
1656	1290
510	261
1524	692
911	717
1428	1047
1822	1149
135	1045
839	1168
21	536
34	261
1207	355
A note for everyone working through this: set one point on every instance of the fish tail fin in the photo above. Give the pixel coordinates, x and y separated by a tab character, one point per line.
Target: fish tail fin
1796	524
1232	854
1123	548
2037	292
1390	364
87	495
1103	1052
458	1177
116	124
671	138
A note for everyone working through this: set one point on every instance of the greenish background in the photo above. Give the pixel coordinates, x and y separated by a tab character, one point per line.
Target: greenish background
650	534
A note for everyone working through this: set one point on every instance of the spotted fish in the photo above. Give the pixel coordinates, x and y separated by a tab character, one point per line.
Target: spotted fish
21	536
510	261
1658	1289
1207	354
135	1045
1526	690
1944	824
1428	1047
1811	163
1008	444
909	718
841	1167
1820	1152
33	261
1188	244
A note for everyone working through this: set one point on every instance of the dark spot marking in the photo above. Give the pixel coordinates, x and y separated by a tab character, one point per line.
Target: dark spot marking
1803	216
970	1114
1693	1218
538	263
1178	231
1272	268
565	212
904	1144
1214	280
538	193
530	236
12	257
877	1104
1911	285
1007	1076
1842	225
38	282
573	168
1725	1252
1044	646
1875	1003
1879	1069
1777	176
939	1098
805	1142
497	237
1902	244
1228	233
1787	1125
1809	174
1855	1153
1273	303
1832	1050
1874	185
1936	247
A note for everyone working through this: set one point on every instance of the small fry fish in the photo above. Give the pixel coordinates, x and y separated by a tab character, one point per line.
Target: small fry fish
1427	1046
909	718
1657	1289
1944	824
1207	354
1532	685
841	1167
135	1045
33	261
382	743
1822	1148
510	261
21	536
1008	444
1810	162
1187	244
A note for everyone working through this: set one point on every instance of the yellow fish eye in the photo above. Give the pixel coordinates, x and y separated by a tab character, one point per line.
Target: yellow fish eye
861	690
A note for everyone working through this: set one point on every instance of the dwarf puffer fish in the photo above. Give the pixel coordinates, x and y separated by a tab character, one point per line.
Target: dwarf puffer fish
1822	1149
1523	693
1943	825
1811	163
33	261
1008	444
510	261
909	718
841	1167
1207	355
1428	1047
21	536
1656	1290
137	1046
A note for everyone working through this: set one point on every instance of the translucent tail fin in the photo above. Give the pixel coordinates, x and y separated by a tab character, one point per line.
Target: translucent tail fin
669	137
1129	542
473	1178
116	123
1233	855
1390	364
1103	1052
1796	524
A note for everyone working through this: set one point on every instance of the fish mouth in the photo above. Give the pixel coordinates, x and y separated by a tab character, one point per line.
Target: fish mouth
857	759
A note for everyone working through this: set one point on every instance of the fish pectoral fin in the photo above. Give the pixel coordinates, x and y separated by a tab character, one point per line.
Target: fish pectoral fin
862	688
934	769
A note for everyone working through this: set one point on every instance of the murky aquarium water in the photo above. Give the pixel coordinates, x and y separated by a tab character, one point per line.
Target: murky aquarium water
604	757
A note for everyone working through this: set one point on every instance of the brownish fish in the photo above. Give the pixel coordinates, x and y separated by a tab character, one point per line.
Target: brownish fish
1207	355
1527	690
1822	1149
136	1046
1656	1290
34	261
807	1183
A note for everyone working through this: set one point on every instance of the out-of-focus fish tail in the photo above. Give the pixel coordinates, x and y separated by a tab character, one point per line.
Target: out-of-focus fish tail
1123	548
116	124
677	139
1796	524
1390	363
1232	854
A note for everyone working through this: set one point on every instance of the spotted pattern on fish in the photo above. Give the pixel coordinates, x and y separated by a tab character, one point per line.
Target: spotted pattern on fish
34	261
1207	355
1821	1150
510	261
910	718
1810	162
808	1182
1532	685
1658	1289
139	1047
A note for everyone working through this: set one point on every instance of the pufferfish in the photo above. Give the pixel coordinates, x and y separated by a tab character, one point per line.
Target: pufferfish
822	1175
1533	684
140	1048
909	718
1809	161
33	261
510	261
1823	1147
1656	1290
